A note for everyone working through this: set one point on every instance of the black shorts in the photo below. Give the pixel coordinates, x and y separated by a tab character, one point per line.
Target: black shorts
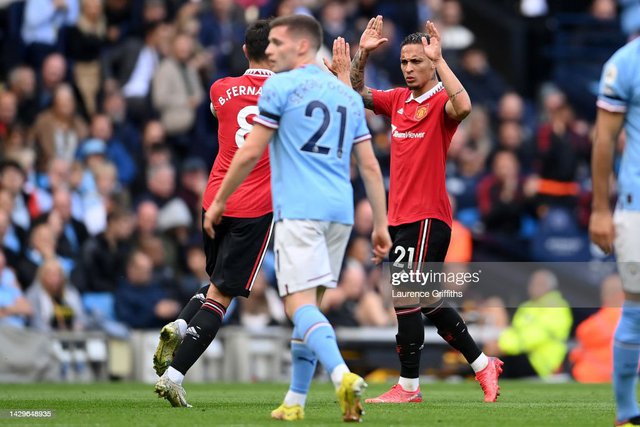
234	257
414	245
421	241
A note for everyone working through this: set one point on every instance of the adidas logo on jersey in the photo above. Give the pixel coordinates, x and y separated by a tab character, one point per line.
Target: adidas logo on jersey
400	111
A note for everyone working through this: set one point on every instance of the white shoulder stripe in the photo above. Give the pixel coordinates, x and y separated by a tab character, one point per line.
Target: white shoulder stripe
612	108
266	122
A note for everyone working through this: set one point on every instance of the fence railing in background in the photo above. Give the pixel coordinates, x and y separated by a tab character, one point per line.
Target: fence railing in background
238	354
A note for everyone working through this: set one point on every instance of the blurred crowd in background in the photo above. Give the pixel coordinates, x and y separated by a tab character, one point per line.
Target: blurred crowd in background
106	142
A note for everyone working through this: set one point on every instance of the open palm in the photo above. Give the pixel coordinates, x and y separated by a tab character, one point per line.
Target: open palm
433	49
372	36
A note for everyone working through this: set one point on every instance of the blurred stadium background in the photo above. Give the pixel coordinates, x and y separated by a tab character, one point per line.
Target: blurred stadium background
101	178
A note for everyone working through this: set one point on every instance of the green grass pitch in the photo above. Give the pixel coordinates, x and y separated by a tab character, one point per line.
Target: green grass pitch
132	404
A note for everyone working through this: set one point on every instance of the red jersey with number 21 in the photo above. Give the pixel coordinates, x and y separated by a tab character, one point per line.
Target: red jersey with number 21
235	100
421	133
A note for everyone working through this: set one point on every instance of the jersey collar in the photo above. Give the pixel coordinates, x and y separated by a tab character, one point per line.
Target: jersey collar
258	72
437	88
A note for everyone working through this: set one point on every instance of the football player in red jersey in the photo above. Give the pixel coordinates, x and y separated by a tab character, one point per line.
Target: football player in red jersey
241	238
424	117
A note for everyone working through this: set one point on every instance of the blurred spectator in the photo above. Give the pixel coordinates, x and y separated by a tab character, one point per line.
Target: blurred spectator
104	256
52	74
161	184
222	28
140	302
15	310
353	303
41	247
500	197
73	232
22	82
174	223
115	107
152	11
630	17
59	130
115	150
146	220
187	23
56	302
177	93
23	206
511	137
99	203
153	152
130	67
264	308
463	182
536	342
363	218
513	108
193	180
8	114
85	43
58	177
164	270
196	275
119	14
43	19
333	19
562	146
484	85
13	238
455	36
592	357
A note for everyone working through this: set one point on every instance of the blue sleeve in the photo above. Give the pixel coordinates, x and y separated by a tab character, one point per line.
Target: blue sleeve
614	92
126	166
272	102
73	12
38	13
362	130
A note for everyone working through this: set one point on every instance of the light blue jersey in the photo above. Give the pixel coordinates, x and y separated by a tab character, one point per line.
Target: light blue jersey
317	120
620	93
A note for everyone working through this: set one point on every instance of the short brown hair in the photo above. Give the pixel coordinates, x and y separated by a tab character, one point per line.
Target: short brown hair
301	25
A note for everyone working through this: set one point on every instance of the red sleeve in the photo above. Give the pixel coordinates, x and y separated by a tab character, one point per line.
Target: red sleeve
214	93
450	124
384	100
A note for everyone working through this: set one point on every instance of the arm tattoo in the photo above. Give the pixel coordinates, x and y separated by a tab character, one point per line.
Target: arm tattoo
367	99
357	79
357	71
453	96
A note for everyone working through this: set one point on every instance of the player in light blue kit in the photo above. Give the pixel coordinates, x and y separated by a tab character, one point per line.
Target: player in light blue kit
618	107
313	121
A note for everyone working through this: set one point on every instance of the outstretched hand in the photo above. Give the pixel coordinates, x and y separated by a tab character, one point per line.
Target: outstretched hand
433	48
372	36
341	62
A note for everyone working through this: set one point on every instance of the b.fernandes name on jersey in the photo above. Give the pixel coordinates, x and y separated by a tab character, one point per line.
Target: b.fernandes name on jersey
234	91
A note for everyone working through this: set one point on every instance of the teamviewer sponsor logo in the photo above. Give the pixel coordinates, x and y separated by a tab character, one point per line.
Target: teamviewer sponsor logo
408	135
405	135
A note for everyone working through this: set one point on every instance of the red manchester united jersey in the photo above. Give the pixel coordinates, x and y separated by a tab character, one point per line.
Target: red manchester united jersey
235	101
421	132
